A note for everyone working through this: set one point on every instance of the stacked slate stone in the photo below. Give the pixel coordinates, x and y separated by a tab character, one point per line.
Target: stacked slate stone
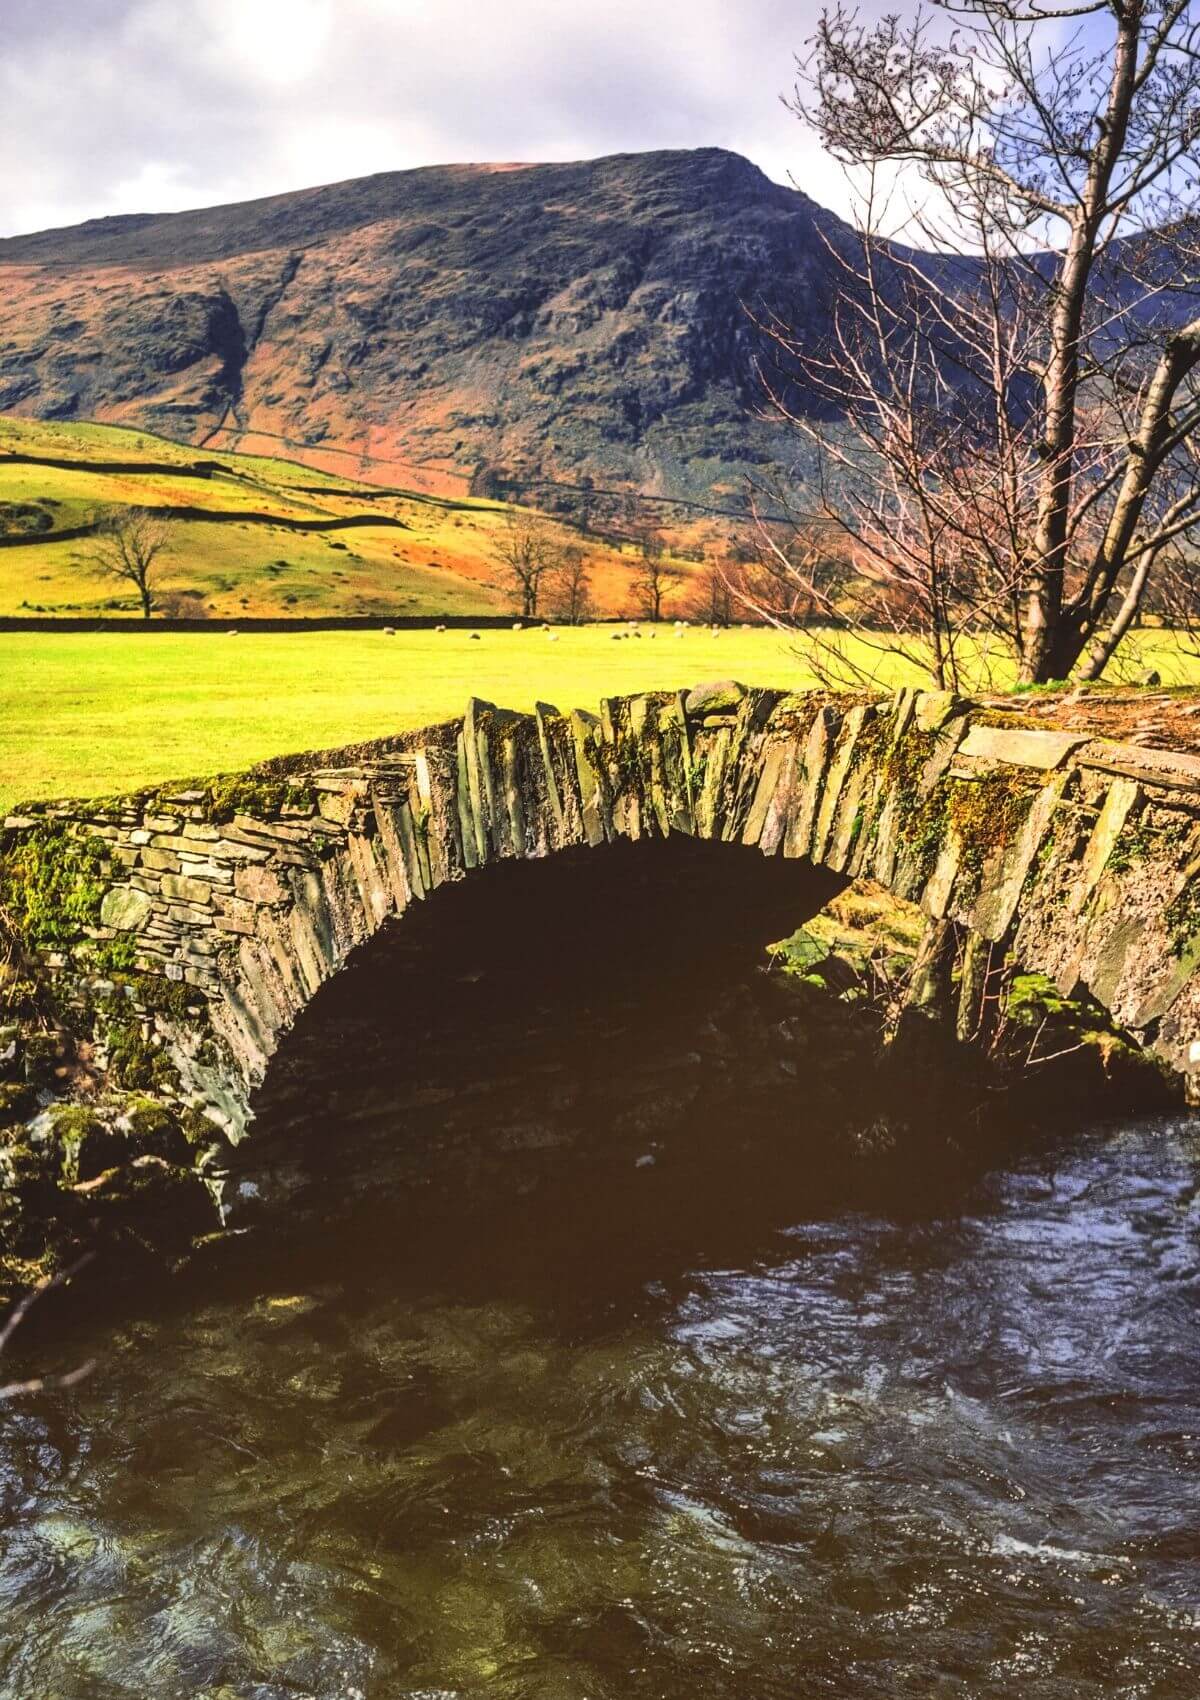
1075	853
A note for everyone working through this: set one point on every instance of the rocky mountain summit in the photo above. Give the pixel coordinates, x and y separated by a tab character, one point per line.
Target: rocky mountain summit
556	322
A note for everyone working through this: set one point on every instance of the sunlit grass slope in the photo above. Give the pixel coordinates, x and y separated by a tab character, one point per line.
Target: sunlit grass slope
94	712
414	555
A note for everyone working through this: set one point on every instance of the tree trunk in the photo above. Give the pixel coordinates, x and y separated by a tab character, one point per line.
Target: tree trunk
1101	649
930	985
1042	638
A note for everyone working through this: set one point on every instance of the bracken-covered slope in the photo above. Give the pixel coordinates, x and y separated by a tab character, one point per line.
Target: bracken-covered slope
558	321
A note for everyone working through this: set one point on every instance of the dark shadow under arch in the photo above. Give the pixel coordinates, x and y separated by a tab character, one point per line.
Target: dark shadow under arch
579	965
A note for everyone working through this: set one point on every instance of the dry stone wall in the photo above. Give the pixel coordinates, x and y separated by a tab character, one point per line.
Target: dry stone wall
192	924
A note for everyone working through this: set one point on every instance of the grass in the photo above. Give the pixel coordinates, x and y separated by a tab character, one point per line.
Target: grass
87	713
84	713
441	558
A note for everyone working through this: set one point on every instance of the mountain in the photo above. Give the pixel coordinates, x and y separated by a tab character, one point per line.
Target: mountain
556	322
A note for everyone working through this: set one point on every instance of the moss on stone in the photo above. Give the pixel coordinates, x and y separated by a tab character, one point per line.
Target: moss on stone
85	1144
986	814
21	997
1007	720
872	740
625	759
71	1121
107	808
114	956
1182	916
1080	1045
23	1171
922	816
1143	837
134	1062
159	996
245	794
42	1052
156	1129
1034	998
52	882
199	1129
219	797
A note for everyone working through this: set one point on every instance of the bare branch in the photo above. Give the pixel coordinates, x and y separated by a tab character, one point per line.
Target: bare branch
1003	422
42	1383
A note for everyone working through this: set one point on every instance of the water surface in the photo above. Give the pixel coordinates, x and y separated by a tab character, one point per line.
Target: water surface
604	1359
526	1454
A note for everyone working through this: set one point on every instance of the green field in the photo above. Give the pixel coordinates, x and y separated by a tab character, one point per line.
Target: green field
84	713
252	536
91	712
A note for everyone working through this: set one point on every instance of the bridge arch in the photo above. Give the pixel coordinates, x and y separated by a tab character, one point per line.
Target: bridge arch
235	901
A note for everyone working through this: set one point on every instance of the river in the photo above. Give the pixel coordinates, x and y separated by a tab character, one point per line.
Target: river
699	1403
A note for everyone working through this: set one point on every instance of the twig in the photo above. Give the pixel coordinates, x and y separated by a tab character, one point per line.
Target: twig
42	1383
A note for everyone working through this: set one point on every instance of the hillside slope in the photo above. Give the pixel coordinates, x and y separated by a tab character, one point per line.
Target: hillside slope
256	536
557	321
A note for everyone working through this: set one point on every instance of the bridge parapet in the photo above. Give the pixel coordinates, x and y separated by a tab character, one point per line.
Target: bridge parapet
186	927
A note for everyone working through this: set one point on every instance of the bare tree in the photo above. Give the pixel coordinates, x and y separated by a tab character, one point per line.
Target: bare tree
654	576
573	586
128	547
527	551
1013	411
714	599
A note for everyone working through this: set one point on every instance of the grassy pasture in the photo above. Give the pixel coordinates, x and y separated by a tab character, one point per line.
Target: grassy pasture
91	712
84	713
439	558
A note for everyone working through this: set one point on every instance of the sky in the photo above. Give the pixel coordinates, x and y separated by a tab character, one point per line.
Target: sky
153	105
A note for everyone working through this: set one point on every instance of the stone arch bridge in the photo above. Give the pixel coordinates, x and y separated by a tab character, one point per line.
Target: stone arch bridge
191	925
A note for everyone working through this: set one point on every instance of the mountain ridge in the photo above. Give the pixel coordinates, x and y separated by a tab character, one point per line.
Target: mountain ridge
27	245
573	321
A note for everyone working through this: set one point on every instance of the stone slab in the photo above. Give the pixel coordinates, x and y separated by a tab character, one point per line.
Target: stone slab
1020	746
1175	769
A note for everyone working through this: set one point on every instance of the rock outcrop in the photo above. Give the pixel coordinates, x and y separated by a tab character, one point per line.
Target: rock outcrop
586	321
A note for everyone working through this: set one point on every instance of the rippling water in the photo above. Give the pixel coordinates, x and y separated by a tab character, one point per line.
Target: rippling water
583	1357
541	1451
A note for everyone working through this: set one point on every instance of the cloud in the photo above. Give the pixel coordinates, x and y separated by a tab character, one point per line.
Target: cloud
153	105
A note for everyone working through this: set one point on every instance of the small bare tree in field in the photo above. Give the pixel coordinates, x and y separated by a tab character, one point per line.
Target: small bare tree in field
1006	419
129	544
573	587
655	578
714	601
527	552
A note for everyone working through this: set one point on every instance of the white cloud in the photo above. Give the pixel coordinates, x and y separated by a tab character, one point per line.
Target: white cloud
280	43
136	105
